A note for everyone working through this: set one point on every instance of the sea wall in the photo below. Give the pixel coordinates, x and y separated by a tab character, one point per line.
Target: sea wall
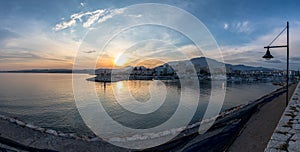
286	136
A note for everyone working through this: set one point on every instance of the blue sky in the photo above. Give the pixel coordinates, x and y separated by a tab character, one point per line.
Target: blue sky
40	31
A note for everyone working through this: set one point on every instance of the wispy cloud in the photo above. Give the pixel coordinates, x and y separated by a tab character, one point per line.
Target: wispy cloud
88	18
82	4
243	27
64	25
252	52
226	26
239	27
91	51
31	49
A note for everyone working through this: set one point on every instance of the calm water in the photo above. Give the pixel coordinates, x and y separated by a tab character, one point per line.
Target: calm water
47	100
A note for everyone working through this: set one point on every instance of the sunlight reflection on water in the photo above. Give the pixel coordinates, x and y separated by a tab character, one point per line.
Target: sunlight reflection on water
47	99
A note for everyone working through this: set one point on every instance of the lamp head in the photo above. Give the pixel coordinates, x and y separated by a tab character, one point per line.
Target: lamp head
268	55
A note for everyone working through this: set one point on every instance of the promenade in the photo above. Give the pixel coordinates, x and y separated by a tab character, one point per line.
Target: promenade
286	136
260	127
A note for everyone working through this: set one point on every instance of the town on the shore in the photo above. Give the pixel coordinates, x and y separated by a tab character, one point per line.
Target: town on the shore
167	73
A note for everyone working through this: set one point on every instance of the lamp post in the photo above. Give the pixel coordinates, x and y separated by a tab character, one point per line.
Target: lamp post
268	56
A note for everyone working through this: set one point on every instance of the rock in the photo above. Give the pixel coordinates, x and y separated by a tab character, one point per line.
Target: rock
274	150
297	117
283	129
12	120
280	137
294	121
31	126
40	129
95	139
292	131
283	121
296	126
275	143
2	117
50	131
294	146
84	137
62	135
296	136
20	123
72	135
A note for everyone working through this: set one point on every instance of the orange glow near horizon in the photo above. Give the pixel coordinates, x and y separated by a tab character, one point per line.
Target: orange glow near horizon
120	60
111	63
107	62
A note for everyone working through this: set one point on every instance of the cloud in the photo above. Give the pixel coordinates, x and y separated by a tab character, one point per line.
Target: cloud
91	51
82	4
91	20
64	25
30	49
25	55
273	61
136	16
88	18
226	26
295	59
251	53
7	34
243	27
110	14
239	27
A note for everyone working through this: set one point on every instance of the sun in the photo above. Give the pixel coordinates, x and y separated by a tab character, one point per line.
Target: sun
120	60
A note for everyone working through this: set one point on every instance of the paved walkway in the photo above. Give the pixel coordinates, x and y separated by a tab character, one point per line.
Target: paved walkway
260	127
286	136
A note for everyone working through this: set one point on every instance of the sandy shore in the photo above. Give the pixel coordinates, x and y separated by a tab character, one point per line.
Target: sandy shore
259	129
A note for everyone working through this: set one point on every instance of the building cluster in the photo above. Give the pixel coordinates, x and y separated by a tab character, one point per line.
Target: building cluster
166	72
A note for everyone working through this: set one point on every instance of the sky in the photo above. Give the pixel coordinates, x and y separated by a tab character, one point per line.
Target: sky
39	34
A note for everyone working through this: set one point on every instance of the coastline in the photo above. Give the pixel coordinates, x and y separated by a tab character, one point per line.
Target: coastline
38	138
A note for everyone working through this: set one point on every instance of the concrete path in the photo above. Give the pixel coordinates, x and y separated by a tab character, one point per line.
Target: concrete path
260	127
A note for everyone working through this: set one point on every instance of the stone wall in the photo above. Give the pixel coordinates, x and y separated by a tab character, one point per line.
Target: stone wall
286	136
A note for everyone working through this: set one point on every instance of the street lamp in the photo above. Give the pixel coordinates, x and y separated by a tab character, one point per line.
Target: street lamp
268	56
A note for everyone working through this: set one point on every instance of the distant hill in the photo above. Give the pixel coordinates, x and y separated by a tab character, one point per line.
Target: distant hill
247	68
202	62
199	62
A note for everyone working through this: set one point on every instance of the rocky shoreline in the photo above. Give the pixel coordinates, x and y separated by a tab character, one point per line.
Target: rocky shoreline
220	135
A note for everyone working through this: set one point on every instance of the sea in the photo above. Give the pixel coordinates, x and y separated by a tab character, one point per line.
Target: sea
47	100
